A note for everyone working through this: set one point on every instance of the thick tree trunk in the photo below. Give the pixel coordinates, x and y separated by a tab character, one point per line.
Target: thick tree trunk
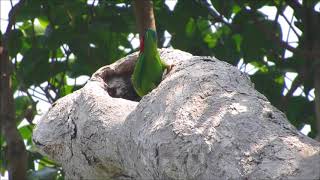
16	154
204	121
15	150
143	10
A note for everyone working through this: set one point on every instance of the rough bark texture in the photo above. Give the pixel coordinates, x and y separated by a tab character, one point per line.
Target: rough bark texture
204	121
143	12
15	150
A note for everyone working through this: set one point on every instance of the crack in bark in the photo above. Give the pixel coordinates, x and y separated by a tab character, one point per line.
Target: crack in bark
87	158
75	130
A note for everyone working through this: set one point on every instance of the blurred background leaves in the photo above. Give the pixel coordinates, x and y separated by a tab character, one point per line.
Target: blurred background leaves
55	42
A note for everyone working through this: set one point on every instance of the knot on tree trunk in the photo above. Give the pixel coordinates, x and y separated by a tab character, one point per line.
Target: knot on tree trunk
204	121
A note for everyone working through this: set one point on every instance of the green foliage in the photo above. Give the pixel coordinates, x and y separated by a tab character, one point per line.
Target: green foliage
297	115
15	42
59	38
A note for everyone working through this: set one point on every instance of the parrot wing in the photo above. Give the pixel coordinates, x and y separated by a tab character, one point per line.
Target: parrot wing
137	75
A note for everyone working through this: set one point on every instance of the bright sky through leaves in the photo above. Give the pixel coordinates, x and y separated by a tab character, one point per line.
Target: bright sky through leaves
5	6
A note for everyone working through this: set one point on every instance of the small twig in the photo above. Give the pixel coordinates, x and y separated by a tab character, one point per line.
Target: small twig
217	17
290	24
280	43
91	8
275	22
33	95
47	94
287	39
34	90
295	5
66	51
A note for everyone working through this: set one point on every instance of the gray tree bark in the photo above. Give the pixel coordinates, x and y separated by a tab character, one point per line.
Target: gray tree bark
204	121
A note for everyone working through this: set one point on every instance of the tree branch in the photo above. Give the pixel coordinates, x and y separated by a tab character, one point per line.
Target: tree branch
144	15
295	5
217	17
303	53
16	150
285	99
290	24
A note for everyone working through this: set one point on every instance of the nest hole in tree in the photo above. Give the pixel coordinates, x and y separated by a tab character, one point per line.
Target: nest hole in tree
118	80
121	87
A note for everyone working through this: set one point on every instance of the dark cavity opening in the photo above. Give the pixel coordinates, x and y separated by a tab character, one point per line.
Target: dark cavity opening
120	86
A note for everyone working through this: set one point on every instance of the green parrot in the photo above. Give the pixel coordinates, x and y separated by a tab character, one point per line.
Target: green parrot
149	67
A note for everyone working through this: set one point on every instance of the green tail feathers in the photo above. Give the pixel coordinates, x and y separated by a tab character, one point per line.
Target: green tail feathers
149	67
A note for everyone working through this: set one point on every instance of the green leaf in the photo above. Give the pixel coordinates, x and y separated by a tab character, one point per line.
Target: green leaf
29	10
238	40
44	22
211	39
190	27
21	104
236	9
270	85
39	30
26	132
298	110
291	64
226	49
226	8
58	36
313	123
3	158
255	43
36	66
261	66
15	42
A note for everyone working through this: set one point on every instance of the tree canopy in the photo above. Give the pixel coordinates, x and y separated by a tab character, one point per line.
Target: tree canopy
50	41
